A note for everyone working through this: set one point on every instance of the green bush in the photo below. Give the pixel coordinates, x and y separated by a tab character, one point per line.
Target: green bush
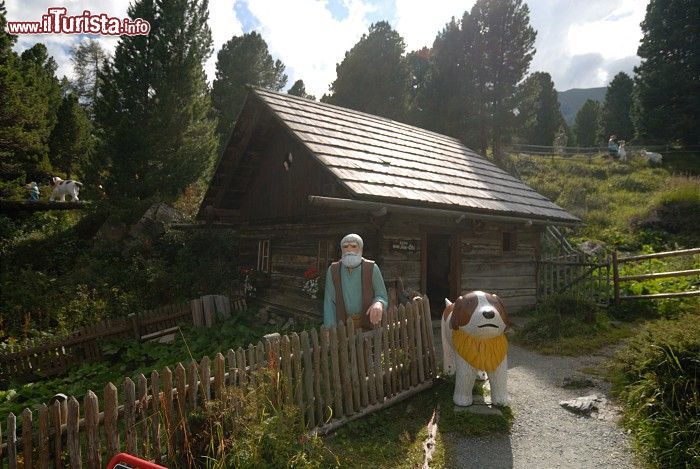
253	428
562	315
657	377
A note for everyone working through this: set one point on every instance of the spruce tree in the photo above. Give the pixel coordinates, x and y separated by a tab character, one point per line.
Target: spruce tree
586	124
539	118
615	115
70	141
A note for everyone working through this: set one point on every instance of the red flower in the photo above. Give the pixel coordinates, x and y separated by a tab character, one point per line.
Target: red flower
244	270
311	273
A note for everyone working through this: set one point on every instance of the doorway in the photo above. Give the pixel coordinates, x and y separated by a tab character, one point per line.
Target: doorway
437	272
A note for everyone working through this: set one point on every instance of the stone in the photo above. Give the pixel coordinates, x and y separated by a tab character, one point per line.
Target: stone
590	405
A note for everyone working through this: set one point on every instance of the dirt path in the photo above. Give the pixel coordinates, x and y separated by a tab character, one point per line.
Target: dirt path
544	434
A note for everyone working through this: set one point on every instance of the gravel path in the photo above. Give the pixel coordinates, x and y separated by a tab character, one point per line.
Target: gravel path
544	434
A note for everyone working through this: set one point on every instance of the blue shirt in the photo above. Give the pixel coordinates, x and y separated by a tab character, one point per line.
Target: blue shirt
352	292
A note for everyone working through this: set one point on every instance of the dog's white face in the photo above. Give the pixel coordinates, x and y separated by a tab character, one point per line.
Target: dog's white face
478	314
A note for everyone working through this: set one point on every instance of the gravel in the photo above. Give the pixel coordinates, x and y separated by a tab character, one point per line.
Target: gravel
544	434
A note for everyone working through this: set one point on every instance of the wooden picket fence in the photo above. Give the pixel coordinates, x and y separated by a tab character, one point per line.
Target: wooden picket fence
333	375
45	358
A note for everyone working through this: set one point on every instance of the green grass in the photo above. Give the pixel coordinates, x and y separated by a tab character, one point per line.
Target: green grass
394	437
657	378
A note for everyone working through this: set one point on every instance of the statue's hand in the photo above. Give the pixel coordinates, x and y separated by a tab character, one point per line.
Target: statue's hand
374	312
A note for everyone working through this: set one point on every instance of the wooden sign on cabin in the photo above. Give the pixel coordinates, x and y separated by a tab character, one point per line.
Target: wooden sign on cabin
406	245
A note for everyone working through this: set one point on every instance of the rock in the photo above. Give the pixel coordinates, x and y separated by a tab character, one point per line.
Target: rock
480	409
590	405
153	222
592	248
263	315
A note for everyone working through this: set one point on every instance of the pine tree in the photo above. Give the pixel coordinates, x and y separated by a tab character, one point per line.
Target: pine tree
586	124
667	106
243	60
87	59
374	75
506	43
615	114
153	105
539	118
70	141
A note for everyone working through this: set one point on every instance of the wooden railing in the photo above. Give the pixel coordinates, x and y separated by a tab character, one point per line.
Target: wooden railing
333	375
617	279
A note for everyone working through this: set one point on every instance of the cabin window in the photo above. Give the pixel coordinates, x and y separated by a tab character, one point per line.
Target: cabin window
325	255
264	255
509	242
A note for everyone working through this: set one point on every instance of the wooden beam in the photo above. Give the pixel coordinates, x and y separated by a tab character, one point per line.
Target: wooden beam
247	131
661	295
38	205
679	273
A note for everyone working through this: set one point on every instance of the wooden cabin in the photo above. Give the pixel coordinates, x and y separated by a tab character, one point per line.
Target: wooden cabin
297	175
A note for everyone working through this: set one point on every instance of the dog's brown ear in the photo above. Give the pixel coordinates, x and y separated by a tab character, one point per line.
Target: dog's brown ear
464	306
498	304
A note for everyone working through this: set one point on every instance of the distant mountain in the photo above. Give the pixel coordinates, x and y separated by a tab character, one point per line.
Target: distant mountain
570	101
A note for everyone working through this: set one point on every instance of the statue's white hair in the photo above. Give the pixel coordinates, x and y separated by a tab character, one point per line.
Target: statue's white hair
352	238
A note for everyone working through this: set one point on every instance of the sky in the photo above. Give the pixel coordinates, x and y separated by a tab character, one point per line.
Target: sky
580	43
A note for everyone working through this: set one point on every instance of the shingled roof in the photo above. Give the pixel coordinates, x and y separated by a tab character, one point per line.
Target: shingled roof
381	159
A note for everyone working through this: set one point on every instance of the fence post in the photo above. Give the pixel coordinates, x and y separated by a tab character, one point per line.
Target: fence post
616	279
135	326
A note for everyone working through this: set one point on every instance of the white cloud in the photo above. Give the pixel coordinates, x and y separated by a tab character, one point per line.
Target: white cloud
419	23
224	25
308	39
581	44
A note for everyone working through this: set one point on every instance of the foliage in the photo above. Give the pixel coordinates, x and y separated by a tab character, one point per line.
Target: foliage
617	201
29	98
299	89
71	141
55	276
667	88
253	427
586	124
570	324
539	118
615	117
153	110
374	76
129	358
242	60
657	377
506	41
87	58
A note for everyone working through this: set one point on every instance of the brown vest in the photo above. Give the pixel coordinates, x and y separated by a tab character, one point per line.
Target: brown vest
367	292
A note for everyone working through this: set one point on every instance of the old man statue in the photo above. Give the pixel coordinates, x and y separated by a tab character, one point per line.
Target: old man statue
354	288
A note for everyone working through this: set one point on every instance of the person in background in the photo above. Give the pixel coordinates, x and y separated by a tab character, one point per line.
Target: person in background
612	147
34	191
354	288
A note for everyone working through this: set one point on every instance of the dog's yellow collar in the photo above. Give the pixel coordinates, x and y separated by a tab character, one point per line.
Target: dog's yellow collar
483	354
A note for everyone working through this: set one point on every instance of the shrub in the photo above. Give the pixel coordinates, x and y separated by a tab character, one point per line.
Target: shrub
657	377
252	428
562	315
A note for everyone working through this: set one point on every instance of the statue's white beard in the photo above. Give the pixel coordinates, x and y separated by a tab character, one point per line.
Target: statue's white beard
351	260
